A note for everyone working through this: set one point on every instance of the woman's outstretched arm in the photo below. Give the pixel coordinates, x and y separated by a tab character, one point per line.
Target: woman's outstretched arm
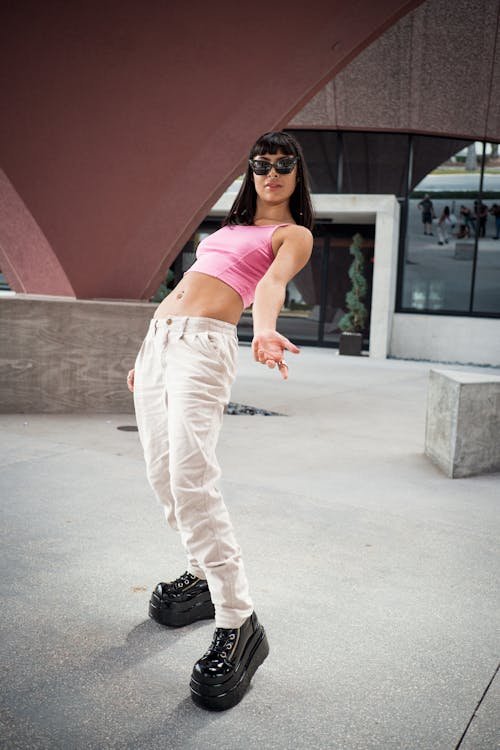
268	345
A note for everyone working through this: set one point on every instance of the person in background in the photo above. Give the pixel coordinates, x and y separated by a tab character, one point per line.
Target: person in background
467	222
495	212
444	226
482	216
427	209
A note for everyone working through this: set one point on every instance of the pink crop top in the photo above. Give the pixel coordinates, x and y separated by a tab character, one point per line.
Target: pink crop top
237	254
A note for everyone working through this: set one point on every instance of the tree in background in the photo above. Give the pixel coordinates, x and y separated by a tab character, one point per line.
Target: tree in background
354	319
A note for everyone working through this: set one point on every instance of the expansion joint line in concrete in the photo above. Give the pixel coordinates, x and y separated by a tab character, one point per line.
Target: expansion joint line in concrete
490	683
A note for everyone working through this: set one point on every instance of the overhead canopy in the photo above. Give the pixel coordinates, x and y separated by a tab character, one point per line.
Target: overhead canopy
123	122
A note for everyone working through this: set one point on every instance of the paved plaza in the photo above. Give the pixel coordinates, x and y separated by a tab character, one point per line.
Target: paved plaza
374	575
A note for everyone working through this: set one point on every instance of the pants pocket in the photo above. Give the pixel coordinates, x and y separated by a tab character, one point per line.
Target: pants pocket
204	342
218	349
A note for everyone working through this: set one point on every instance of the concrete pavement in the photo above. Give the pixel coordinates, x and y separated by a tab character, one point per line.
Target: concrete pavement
374	575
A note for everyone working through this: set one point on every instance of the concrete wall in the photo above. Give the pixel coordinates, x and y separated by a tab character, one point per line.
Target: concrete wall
59	355
446	338
413	77
62	355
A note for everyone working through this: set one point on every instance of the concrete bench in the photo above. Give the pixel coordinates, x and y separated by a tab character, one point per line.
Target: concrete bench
462	434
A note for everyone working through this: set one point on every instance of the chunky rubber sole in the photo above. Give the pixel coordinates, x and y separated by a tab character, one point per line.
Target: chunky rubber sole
177	614
224	695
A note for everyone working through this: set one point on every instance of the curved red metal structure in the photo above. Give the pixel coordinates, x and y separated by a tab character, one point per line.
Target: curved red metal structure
123	122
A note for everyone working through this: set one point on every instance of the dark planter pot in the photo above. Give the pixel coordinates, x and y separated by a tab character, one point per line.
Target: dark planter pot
351	344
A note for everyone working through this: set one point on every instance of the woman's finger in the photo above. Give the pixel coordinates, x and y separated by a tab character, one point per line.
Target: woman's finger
283	368
286	344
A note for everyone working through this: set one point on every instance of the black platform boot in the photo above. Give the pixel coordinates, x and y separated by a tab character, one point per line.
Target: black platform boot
222	675
180	602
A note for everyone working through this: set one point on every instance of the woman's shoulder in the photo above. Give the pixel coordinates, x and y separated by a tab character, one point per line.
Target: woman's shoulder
296	238
298	229
296	232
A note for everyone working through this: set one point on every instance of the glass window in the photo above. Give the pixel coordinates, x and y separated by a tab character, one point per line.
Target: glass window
4	284
441	225
320	153
487	280
374	163
337	263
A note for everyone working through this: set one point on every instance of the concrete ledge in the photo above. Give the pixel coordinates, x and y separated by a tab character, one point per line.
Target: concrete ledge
446	338
64	355
462	433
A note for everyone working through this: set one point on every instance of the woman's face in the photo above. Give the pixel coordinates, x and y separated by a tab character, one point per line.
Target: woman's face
275	188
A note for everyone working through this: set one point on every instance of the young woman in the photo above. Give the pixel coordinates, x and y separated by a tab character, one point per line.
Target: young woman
181	383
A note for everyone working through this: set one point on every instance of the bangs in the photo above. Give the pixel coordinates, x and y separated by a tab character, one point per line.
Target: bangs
271	143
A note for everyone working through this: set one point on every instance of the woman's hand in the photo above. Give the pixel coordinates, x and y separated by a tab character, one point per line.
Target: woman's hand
269	348
130	380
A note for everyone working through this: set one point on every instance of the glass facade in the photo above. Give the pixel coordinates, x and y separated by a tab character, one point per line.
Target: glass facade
450	247
450	264
374	163
486	298
449	258
436	276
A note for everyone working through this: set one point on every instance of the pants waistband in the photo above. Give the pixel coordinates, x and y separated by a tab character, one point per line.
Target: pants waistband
184	323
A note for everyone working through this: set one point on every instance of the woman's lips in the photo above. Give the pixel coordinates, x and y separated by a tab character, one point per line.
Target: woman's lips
273	185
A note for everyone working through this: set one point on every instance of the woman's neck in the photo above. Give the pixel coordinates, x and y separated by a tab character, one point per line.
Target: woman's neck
279	214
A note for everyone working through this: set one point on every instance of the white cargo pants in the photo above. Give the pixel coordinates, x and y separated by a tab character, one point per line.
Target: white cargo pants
183	376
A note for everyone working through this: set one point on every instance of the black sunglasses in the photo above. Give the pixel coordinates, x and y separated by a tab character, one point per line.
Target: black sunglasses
284	165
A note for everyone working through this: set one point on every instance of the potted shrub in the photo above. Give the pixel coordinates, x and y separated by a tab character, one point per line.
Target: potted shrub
353	322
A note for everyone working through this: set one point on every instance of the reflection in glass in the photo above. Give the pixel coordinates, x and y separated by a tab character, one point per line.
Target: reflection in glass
338	283
320	149
442	221
487	280
374	163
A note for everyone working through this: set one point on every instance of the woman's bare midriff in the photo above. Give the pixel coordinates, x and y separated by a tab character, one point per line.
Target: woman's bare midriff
201	295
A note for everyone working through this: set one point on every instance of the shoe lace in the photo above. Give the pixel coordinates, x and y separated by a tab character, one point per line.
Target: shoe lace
186	579
223	642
